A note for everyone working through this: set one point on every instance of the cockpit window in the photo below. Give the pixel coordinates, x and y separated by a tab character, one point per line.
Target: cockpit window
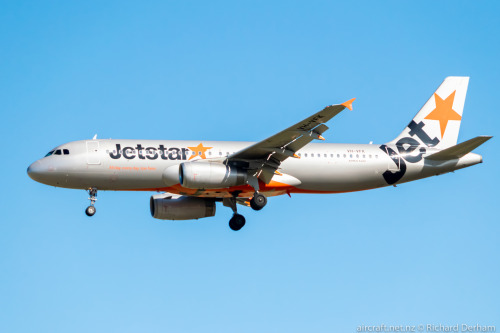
58	152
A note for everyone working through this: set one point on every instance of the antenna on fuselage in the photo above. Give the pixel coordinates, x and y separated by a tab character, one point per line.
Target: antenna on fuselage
95	137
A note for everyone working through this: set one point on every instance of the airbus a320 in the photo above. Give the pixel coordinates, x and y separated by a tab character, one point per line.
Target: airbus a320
192	176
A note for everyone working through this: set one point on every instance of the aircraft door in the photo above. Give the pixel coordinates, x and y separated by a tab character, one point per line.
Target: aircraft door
93	152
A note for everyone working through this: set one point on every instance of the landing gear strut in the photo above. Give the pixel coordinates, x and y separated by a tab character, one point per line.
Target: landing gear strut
259	200
237	221
257	203
90	211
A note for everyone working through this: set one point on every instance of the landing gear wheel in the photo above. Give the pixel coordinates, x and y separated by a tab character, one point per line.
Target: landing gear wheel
258	201
237	222
90	211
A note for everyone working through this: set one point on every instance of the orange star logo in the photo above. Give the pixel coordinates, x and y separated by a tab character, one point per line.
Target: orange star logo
199	150
444	112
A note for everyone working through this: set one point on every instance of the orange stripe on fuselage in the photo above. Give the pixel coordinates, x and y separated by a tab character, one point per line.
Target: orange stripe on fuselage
274	188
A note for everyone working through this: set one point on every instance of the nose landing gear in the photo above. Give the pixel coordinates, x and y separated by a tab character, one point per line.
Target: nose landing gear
90	211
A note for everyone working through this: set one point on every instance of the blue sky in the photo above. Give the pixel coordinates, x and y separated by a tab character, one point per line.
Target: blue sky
422	253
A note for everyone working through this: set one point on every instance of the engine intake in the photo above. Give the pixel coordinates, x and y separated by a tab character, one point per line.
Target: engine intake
181	208
207	175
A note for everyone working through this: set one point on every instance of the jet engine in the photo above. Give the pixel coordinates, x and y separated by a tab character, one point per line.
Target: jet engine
181	208
203	175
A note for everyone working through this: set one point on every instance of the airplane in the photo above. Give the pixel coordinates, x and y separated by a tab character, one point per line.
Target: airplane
191	176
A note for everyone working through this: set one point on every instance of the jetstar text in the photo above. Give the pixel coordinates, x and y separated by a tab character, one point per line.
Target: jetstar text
150	153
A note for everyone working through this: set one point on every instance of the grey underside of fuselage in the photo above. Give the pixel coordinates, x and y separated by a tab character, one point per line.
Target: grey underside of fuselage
322	166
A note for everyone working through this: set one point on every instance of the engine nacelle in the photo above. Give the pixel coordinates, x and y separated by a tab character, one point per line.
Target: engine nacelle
203	175
181	208
170	175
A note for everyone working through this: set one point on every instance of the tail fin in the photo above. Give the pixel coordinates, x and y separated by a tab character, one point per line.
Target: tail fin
438	122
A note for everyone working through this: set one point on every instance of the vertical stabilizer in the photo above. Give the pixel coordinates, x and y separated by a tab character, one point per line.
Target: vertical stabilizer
438	122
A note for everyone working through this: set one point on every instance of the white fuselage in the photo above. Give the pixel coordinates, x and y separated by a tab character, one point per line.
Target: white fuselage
138	165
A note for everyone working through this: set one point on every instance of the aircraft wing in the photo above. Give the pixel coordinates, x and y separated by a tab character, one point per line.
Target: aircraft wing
265	157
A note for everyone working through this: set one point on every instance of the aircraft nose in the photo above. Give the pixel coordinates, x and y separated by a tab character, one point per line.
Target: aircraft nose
36	171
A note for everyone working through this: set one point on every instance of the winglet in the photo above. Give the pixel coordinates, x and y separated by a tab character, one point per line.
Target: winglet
348	104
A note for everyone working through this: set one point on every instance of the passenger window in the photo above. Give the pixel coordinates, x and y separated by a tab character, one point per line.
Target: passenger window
326	155
364	156
331	155
376	156
338	155
300	154
58	152
199	153
66	151
312	154
350	155
220	153
370	156
210	153
305	154
344	155
357	155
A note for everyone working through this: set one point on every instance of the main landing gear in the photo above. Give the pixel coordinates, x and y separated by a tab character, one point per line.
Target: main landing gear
258	201
90	211
238	221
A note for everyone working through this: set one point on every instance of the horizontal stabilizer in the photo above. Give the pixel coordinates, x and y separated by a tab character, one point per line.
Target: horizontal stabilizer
459	150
